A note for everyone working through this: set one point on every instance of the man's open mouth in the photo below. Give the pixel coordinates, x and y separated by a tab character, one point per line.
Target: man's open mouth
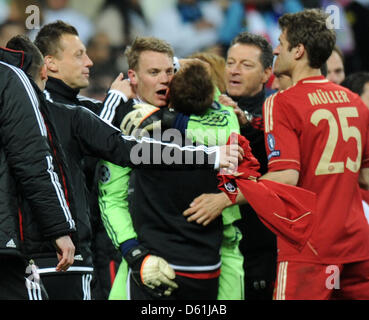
162	93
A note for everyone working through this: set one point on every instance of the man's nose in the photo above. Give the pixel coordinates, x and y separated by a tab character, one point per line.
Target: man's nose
165	78
88	62
235	68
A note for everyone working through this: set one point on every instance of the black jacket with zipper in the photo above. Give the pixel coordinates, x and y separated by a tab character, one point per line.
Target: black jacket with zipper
26	170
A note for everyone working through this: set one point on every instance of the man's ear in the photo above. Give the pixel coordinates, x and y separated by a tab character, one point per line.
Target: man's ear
300	51
132	77
50	62
267	73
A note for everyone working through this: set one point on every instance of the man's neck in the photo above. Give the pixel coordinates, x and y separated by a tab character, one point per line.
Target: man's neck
251	104
303	72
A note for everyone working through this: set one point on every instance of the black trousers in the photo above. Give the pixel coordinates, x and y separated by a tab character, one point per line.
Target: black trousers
68	285
74	284
18	282
188	289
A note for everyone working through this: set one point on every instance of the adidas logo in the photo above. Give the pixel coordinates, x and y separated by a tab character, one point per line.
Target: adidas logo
11	244
78	257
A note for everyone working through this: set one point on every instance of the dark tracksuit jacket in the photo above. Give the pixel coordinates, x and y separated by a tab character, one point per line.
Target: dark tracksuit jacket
26	164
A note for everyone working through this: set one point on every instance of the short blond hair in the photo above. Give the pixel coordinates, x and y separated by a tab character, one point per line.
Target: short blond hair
141	44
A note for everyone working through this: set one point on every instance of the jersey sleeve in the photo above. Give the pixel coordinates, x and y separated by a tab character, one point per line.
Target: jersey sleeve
113	202
281	140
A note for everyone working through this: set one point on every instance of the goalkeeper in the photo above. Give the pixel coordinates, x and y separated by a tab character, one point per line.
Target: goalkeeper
158	227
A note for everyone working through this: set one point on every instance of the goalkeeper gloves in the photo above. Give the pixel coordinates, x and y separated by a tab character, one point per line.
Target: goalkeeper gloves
134	119
147	117
151	271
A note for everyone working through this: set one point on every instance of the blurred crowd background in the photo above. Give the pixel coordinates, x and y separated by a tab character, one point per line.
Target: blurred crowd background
108	26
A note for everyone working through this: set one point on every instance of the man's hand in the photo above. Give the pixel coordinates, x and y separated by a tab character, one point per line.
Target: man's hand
152	272
227	101
230	155
156	273
124	86
65	251
136	119
207	207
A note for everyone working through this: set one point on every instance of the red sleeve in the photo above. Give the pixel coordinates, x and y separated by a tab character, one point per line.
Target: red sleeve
281	139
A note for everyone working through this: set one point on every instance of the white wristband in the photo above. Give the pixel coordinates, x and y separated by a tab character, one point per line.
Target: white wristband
119	93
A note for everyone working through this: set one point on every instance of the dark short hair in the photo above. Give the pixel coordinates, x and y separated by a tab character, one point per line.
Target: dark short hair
48	38
266	57
23	43
192	91
309	28
356	82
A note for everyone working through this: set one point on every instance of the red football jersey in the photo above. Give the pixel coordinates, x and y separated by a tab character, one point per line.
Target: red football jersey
321	129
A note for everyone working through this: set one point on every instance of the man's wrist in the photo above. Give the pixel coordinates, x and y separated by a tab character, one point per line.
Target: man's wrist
120	93
226	201
127	245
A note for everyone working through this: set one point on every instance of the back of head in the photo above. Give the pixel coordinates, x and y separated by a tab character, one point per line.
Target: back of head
217	65
48	38
192	91
309	28
141	44
356	82
23	43
258	41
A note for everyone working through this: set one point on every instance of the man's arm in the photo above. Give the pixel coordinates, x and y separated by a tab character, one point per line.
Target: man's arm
289	176
119	94
99	139
113	193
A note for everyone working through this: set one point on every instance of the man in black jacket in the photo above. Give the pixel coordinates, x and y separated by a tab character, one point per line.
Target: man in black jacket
27	174
68	72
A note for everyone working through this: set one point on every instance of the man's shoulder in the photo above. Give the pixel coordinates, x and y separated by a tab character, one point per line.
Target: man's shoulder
289	97
10	72
84	99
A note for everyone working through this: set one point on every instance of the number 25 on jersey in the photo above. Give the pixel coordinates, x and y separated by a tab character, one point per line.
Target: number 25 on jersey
325	165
